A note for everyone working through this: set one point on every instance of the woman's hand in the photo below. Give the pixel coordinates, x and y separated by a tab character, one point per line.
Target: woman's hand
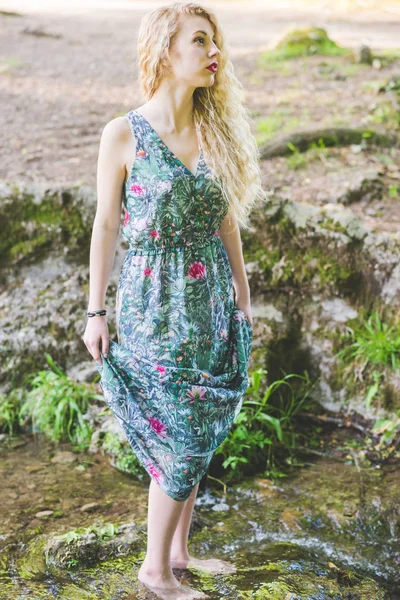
96	331
246	308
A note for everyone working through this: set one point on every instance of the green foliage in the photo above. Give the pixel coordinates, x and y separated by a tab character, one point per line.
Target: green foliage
56	406
388	429
315	151
384	113
373	342
106	532
265	424
296	160
9	410
124	458
276	121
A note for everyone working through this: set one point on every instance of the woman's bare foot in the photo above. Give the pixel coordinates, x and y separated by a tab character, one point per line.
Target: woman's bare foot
166	586
165	581
210	565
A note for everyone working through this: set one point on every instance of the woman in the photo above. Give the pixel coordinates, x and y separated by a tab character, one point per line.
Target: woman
187	165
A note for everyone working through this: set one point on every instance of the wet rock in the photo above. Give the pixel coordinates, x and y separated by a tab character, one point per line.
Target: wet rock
90	546
90	507
289	519
337	309
44	278
44	513
110	439
363	187
311	269
391	289
64	458
364	55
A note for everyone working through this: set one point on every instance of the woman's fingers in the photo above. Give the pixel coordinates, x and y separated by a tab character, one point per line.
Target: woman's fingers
104	344
95	351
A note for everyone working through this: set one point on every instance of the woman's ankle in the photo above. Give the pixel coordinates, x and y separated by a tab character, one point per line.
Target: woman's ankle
154	570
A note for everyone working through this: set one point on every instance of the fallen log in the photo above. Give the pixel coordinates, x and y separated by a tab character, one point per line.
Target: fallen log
331	136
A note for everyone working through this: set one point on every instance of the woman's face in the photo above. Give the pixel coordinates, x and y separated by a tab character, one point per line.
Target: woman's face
192	51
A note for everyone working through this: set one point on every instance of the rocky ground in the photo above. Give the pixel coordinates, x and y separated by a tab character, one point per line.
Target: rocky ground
65	73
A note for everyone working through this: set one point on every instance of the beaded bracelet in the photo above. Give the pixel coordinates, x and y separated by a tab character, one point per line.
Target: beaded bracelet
100	312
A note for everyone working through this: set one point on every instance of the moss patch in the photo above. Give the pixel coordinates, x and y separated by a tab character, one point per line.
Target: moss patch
39	221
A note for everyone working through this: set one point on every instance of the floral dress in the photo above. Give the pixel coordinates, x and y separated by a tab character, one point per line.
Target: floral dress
176	377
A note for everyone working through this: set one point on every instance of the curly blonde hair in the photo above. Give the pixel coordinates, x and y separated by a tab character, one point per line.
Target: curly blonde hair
222	121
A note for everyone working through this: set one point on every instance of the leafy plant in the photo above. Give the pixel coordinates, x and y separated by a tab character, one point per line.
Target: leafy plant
373	342
266	422
9	410
57	406
388	429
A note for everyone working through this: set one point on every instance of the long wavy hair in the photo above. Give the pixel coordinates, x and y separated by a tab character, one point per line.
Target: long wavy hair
221	120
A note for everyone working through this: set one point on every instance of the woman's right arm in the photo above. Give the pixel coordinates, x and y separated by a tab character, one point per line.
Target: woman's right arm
110	178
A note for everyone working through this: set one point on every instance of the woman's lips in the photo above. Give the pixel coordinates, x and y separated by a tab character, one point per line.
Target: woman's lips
212	68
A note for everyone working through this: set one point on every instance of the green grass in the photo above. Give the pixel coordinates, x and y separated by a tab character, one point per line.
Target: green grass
300	160
373	342
279	121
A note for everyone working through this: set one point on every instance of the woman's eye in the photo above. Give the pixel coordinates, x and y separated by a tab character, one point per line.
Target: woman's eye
201	38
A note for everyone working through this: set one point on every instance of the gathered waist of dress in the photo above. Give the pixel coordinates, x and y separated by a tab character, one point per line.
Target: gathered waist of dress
161	247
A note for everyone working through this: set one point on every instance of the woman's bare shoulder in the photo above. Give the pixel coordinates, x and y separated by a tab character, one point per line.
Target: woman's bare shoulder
118	137
118	128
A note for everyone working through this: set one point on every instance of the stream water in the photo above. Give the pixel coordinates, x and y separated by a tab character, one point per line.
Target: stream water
330	529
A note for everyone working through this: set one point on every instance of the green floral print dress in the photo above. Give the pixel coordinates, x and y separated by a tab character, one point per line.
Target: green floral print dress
176	376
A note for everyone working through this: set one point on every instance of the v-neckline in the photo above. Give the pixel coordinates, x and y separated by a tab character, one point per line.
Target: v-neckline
194	175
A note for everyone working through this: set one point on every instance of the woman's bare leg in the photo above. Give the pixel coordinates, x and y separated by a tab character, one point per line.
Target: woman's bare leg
179	547
162	518
180	557
156	570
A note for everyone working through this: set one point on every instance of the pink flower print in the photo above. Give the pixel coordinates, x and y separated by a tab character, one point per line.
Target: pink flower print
162	369
223	334
197	270
137	189
138	260
170	406
190	417
197	393
216	234
154	234
186	470
148	271
157	426
154	472
126	219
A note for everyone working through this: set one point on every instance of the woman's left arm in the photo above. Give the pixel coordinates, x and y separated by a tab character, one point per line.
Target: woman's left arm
230	236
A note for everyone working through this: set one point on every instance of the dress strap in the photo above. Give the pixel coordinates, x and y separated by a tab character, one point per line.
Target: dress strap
136	129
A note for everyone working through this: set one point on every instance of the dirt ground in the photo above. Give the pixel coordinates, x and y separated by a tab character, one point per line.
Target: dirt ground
64	74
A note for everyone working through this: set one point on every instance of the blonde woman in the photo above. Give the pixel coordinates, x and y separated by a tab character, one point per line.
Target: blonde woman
184	168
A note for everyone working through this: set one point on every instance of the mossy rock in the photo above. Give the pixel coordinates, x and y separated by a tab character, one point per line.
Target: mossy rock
86	547
40	220
305	41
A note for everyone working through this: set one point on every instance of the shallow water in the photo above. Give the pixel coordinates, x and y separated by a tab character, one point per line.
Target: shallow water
328	530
